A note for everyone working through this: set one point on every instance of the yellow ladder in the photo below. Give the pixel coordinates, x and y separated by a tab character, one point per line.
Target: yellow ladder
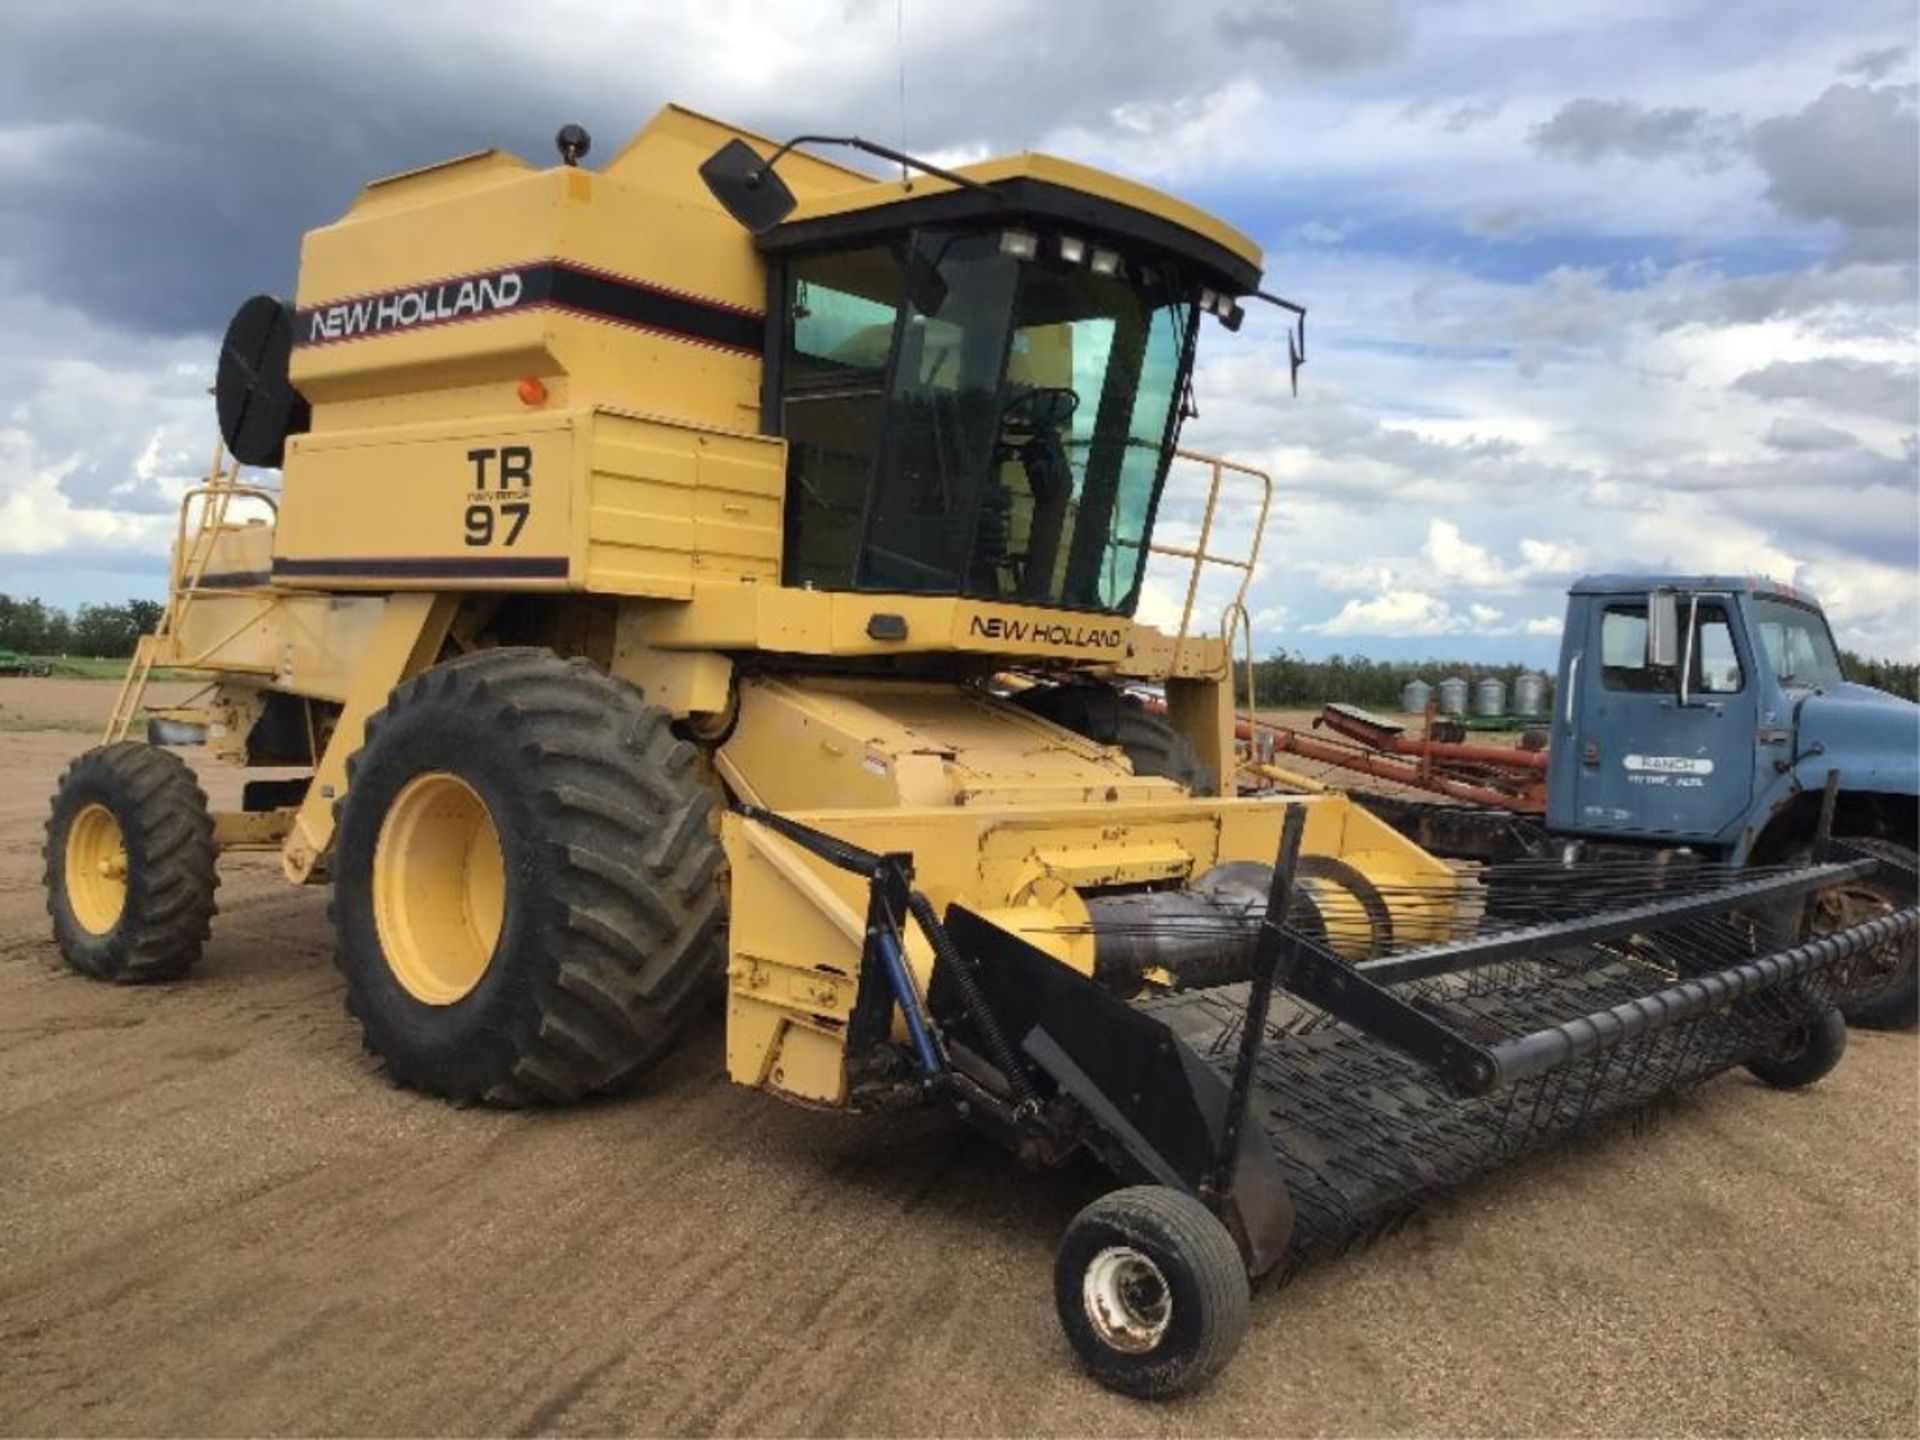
209	502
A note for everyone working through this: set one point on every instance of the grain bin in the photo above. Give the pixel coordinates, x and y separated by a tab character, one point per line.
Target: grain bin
1415	696
1453	696
1490	698
1530	694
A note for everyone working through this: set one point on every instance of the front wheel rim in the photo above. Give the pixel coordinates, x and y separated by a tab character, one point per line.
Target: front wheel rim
96	869
1127	1300
439	888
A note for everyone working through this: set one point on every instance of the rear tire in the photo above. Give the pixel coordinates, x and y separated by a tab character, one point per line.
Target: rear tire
1888	998
1151	1292
525	904
1809	1054
130	865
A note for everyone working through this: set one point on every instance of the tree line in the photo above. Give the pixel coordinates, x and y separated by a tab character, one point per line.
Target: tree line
1285	680
109	632
1888	675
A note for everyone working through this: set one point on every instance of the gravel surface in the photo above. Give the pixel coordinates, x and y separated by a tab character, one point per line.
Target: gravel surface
217	1218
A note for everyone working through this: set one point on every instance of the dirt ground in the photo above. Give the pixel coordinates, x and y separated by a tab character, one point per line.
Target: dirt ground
217	1218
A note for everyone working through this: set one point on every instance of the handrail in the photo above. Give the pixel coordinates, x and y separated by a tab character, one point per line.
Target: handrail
210	494
1237	624
185	572
1201	556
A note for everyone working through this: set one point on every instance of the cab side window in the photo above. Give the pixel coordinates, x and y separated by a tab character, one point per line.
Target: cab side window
1623	651
1716	663
840	322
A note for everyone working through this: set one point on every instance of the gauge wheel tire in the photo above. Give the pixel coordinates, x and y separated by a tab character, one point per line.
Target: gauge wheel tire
1809	1053
1892	1000
525	903
130	865
1110	717
1151	1292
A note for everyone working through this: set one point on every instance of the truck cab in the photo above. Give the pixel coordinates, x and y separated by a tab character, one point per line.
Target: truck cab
1709	711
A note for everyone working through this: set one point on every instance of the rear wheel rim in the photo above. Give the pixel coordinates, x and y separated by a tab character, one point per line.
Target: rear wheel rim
96	869
439	888
1880	968
1127	1300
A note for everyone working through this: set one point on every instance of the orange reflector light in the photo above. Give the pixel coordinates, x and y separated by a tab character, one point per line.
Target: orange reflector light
532	392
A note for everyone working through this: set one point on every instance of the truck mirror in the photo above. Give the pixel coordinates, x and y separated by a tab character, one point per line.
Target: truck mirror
1663	629
747	186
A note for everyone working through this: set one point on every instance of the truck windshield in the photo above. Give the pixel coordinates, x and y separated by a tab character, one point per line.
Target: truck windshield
1798	644
964	418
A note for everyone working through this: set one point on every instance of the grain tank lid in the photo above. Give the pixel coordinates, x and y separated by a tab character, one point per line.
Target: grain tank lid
410	187
668	151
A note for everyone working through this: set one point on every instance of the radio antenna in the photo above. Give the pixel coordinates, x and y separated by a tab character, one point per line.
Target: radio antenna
900	50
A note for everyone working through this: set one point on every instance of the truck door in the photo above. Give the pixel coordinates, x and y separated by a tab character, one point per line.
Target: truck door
1663	751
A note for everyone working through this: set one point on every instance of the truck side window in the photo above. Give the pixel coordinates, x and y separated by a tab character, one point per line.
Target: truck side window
1623	651
1716	664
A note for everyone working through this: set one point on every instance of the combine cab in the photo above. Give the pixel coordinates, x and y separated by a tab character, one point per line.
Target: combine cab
725	562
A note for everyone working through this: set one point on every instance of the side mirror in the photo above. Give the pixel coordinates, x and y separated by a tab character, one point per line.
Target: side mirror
1663	629
747	187
926	287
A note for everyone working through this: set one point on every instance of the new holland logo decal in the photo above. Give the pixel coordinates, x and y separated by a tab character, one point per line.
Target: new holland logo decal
404	309
546	285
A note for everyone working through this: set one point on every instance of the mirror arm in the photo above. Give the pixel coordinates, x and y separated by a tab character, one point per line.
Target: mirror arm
1297	341
883	152
1686	651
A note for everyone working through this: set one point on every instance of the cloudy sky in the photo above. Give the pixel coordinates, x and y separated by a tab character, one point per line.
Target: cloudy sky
1595	284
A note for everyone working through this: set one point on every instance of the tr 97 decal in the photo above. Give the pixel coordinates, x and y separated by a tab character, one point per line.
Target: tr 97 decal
501	498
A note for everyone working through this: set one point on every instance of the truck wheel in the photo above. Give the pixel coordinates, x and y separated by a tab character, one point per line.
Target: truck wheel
1151	1291
1886	989
1808	1054
525	906
130	864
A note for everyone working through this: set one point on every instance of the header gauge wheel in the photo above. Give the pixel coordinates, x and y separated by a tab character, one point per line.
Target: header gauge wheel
130	864
1151	1291
525	907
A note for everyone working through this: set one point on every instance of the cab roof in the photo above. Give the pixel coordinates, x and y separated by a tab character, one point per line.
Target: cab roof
1737	584
1028	187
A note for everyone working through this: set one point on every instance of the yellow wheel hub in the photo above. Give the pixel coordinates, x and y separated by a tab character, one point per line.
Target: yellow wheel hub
439	888
96	869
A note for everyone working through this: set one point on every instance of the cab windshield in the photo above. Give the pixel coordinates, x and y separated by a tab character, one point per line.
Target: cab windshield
973	413
1798	644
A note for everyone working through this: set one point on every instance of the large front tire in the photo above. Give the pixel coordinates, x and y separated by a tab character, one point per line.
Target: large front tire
130	865
525	904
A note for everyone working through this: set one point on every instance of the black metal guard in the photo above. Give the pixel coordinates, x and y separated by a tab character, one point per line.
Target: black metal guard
1271	955
1141	1098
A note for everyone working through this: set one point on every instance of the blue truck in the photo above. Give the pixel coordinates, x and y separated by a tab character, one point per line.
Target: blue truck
1708	715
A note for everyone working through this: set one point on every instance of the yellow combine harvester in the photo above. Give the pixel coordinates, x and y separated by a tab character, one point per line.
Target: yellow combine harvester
724	563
